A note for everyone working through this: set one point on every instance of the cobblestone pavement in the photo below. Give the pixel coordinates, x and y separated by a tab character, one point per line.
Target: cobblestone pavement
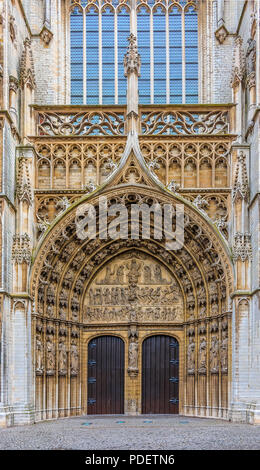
135	433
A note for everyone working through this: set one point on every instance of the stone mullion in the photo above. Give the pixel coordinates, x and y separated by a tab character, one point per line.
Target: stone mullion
151	58
85	90
116	55
183	58
67	161
82	166
167	164
213	176
198	163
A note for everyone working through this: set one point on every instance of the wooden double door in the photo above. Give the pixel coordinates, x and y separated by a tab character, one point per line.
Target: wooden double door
160	375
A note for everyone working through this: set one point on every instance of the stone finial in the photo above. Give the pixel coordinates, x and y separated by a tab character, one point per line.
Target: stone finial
241	185
132	60
27	74
23	186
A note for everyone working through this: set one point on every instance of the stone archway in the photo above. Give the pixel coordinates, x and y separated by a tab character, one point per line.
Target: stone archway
197	279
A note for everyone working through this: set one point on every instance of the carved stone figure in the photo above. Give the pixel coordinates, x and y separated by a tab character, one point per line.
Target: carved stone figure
74	358
50	356
147	275
251	56
191	356
133	357
224	351
214	353
39	356
63	360
202	355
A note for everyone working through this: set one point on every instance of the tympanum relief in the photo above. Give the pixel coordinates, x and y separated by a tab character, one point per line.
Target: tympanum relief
133	279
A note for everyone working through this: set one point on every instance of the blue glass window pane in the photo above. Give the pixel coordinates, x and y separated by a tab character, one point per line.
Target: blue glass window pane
175	51
191	70
192	99
123	27
159	56
191	55
92	56
175	72
108	57
76	53
176	99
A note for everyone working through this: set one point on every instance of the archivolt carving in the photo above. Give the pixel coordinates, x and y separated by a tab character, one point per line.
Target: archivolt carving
204	260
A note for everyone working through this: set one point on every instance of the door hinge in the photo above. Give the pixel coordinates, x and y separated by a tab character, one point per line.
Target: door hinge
174	400
91	380
174	379
91	401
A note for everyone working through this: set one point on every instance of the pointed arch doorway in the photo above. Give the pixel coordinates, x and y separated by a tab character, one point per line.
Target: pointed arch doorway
160	375
106	375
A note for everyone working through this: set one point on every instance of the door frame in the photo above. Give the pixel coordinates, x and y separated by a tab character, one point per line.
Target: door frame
142	353
132	385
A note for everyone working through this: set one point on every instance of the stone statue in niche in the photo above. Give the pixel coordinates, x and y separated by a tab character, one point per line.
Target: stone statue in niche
39	355
202	355
251	56
224	351
133	351
74	358
63	360
133	358
50	356
214	353
191	356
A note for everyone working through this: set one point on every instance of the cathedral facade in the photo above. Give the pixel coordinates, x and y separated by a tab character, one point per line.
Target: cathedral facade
136	107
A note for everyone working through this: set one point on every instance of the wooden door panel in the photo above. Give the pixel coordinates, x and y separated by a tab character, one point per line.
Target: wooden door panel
106	375
160	375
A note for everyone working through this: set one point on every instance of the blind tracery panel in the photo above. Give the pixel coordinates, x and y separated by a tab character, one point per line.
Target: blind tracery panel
166	32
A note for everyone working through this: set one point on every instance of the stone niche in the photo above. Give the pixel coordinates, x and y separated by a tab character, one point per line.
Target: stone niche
133	287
